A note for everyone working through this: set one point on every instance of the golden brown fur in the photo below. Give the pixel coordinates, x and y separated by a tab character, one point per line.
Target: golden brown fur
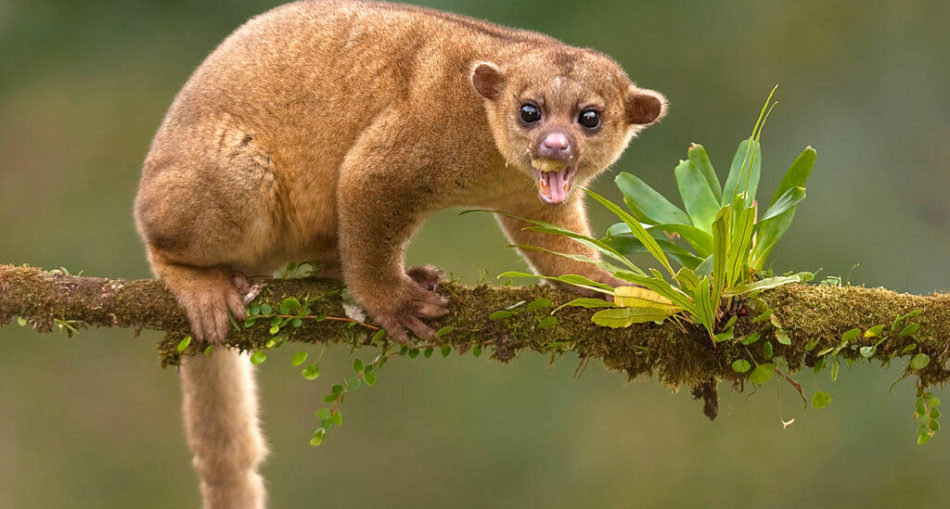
328	131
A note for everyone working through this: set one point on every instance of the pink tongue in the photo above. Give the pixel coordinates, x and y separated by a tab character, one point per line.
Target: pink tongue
556	185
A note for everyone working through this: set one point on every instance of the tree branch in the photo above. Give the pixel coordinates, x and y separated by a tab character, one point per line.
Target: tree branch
813	317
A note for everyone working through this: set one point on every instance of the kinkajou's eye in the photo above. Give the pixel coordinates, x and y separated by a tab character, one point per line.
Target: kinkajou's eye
589	119
529	113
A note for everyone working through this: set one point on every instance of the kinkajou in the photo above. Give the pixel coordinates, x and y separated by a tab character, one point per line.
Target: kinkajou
328	130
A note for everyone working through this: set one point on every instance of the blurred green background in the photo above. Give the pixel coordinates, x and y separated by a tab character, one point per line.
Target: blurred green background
93	422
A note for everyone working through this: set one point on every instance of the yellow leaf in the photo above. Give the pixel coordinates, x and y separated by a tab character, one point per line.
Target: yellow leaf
637	297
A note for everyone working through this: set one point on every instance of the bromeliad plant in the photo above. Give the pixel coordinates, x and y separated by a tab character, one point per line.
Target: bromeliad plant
726	241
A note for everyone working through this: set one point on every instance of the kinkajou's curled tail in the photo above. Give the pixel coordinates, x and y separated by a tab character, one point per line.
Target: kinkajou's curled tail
220	410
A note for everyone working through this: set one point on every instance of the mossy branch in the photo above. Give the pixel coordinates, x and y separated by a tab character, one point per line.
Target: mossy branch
814	318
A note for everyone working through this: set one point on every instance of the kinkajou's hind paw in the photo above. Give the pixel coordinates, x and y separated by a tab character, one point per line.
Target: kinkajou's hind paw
427	276
207	298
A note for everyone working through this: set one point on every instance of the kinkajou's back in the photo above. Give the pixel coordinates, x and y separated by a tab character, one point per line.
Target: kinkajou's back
328	131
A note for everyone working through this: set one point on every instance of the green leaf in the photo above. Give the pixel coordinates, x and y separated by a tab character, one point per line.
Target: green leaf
782	337
636	228
687	279
835	368
874	331
379	335
908	329
336	417
868	351
446	350
413	353
353	384
323	414
772	230
477	350
311	372
500	315
820	399
797	174
850	334
646	203
183	344
357	364
266	309
444	331
919	361
741	365
548	321
258	357
319	435
369	375
22	322
700	201
705	267
750	338
700	159
762	284
746	167
539	303
625	317
299	358
428	352
725	336
767	350
289	305
791	198
762	373
700	241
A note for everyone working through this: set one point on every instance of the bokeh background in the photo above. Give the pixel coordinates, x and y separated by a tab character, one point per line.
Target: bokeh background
92	422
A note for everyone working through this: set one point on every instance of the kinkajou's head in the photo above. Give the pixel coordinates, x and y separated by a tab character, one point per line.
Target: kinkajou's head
561	113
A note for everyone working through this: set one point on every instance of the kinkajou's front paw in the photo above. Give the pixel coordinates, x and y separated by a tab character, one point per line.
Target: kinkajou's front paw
402	311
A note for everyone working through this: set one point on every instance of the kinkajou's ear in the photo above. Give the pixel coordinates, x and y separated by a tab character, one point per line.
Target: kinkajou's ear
488	80
645	107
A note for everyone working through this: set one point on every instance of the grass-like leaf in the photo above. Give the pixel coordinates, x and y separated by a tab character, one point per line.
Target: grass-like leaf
628	244
788	200
744	172
660	286
700	241
625	317
636	228
545	227
762	284
571	279
742	229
